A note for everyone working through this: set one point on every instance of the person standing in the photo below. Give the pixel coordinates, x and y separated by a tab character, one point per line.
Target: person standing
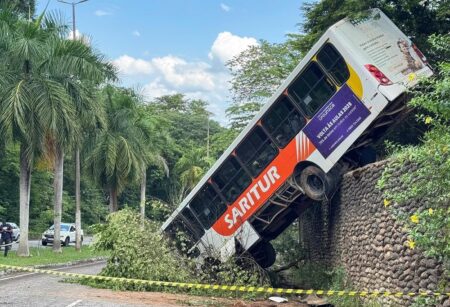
6	239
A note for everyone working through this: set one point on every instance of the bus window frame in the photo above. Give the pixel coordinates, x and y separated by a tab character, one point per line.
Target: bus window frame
194	212
328	79
269	139
296	106
246	171
180	218
337	84
188	221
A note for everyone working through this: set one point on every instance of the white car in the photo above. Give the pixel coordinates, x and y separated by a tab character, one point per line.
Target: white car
67	234
16	231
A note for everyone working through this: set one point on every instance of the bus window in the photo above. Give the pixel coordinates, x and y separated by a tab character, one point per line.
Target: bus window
231	179
195	226
256	151
181	235
334	63
208	206
283	121
311	90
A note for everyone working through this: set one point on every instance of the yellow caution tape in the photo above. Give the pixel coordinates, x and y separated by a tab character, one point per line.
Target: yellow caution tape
231	287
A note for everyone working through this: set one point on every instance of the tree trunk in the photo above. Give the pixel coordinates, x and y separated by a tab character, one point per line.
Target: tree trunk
58	190
24	200
113	206
77	201
142	203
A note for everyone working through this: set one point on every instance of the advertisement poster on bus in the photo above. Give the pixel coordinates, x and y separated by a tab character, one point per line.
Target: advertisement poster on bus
383	45
337	119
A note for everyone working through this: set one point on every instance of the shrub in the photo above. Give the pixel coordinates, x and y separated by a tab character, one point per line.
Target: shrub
138	252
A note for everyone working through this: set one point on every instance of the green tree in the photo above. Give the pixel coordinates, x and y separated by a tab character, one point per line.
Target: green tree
418	19
185	123
156	140
24	7
76	68
191	167
256	74
117	153
259	70
24	89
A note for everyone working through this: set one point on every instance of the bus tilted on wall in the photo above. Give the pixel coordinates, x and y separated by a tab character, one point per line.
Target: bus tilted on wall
342	96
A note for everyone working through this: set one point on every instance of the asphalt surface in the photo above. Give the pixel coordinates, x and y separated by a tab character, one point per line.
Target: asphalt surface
34	289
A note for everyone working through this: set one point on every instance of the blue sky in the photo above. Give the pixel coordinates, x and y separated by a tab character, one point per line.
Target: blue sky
169	46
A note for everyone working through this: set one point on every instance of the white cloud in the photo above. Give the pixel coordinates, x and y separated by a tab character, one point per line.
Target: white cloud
225	7
226	46
101	13
131	66
77	34
167	75
136	33
182	74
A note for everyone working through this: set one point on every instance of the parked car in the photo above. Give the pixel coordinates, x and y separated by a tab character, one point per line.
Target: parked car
67	234
16	231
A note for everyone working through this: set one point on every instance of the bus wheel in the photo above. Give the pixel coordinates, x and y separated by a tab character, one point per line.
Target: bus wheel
264	254
315	183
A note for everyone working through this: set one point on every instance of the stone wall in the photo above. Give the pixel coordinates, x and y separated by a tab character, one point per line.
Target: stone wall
356	232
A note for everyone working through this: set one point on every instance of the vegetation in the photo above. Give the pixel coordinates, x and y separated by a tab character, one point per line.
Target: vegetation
44	256
142	253
58	108
429	227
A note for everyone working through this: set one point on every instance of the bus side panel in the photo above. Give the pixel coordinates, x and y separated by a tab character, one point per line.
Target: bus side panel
215	245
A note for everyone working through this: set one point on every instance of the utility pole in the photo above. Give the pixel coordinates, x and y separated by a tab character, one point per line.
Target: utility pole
73	4
77	151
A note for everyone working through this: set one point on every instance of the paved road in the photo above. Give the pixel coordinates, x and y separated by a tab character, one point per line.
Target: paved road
42	290
32	289
37	243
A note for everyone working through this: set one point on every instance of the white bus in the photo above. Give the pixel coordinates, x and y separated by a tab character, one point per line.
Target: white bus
346	91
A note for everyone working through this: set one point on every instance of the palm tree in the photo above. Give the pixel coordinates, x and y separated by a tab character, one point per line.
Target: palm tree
77	68
191	167
23	46
156	140
118	153
42	77
89	112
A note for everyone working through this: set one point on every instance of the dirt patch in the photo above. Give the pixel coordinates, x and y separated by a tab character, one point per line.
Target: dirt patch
171	299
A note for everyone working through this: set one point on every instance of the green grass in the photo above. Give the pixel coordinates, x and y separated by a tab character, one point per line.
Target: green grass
43	256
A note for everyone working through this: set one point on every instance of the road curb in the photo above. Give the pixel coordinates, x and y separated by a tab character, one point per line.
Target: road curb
7	271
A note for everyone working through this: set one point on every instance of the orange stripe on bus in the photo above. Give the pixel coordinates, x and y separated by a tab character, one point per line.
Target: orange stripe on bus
267	183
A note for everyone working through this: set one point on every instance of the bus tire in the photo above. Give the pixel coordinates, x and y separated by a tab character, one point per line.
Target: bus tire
315	183
264	254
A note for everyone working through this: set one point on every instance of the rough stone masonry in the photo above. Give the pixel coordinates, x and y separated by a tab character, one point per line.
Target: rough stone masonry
354	231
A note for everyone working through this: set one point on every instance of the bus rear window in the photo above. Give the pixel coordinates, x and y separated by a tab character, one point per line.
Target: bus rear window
333	63
256	151
207	206
311	90
231	179
283	121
